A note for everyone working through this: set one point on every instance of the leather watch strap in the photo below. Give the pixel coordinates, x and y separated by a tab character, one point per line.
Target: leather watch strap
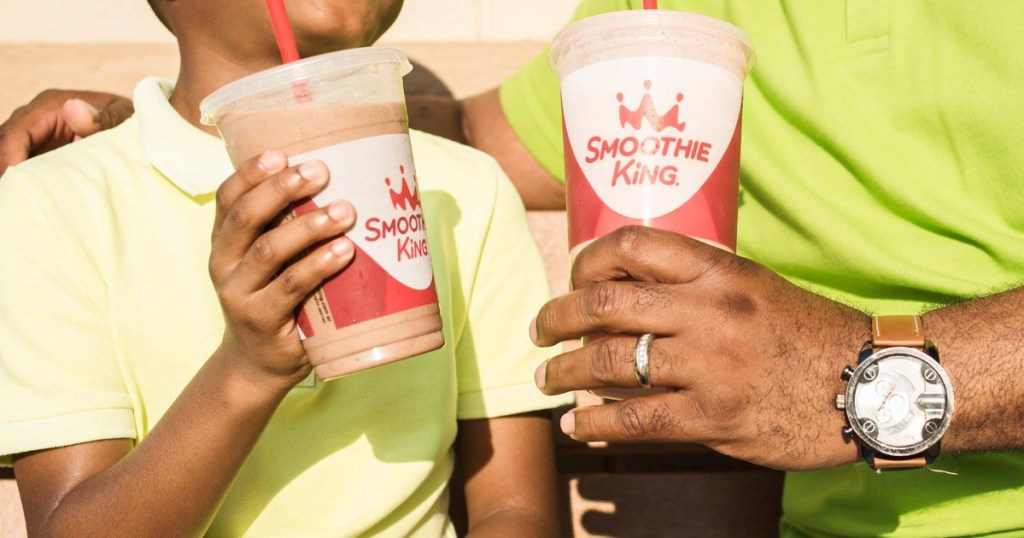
883	463
888	331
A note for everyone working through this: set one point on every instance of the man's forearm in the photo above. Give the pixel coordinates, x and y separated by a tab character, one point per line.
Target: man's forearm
488	129
981	345
480	122
173	483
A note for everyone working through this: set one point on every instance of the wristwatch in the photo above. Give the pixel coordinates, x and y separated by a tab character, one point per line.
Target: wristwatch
898	400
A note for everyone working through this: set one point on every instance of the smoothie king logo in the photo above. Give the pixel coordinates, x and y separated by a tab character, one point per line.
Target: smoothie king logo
407	199
377	175
648	134
647	158
405	226
647	111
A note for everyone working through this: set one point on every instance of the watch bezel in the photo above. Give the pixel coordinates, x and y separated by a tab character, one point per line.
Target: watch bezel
883	448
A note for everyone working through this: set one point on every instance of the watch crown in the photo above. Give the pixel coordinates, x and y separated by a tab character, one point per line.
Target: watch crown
847	432
847	373
840	401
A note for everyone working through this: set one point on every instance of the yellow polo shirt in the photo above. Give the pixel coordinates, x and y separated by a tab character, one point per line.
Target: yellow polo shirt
107	311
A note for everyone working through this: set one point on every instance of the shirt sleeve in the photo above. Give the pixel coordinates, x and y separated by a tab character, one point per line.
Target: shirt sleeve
59	380
496	359
531	98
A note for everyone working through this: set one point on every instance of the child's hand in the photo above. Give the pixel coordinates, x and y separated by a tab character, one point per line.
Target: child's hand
257	292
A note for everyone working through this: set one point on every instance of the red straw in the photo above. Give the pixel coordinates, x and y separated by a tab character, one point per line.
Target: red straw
283	31
648	4
286	43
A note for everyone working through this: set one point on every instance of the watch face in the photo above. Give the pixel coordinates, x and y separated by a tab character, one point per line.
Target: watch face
902	401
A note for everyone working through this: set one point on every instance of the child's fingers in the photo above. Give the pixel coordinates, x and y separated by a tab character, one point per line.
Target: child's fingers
283	295
249	214
276	247
250	174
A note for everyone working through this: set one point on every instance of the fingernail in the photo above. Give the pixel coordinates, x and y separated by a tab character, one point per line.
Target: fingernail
540	376
341	248
568	423
313	171
271	161
533	330
92	110
338	211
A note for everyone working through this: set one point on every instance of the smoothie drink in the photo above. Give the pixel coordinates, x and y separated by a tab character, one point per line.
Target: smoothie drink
651	108
347	109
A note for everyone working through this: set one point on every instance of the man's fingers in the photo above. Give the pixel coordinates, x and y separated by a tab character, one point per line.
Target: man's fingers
87	113
644	254
14	148
612	307
284	294
610	362
276	247
55	118
661	417
118	110
81	117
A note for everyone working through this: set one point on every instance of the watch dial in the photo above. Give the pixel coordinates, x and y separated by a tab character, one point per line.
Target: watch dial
901	401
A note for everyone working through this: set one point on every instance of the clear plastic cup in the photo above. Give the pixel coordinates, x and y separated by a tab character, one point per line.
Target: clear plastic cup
347	109
651	105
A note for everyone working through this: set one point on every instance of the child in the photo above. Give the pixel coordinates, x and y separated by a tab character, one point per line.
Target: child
134	405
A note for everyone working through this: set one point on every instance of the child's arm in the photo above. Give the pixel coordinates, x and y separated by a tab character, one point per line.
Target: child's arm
173	482
510	476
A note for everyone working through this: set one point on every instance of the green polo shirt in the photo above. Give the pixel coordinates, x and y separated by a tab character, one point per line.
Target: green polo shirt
882	167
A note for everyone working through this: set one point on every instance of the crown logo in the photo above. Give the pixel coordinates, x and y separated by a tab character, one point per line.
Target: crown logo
648	111
407	199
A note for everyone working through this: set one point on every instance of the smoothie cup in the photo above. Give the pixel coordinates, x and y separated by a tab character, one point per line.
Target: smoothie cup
651	108
347	109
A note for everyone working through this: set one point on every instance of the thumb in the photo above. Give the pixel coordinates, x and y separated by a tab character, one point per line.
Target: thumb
85	118
644	254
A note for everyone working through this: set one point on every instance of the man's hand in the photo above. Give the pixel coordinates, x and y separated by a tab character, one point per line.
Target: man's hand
259	288
55	118
751	361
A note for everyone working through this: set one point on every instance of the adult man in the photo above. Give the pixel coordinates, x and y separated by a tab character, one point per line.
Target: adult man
879	172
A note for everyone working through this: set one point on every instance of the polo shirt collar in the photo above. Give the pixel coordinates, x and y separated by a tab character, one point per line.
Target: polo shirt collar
193	160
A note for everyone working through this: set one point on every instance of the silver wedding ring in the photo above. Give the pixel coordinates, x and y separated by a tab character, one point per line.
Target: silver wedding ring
642	360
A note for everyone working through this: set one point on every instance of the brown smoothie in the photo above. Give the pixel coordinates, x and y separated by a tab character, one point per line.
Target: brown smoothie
338	346
305	127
